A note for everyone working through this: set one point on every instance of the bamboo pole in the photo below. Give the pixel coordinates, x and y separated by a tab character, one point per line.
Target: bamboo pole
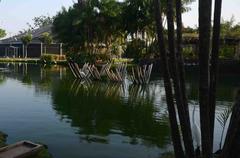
184	122
214	66
178	149
70	66
205	10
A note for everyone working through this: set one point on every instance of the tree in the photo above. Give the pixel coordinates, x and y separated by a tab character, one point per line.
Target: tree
26	39
229	28
178	149
47	39
2	33
38	22
93	23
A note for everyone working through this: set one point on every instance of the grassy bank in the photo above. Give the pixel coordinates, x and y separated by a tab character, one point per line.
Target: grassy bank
31	60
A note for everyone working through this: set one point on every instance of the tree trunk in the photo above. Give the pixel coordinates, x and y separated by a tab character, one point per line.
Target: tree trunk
214	66
26	52
45	49
182	112
167	83
205	8
180	62
23	51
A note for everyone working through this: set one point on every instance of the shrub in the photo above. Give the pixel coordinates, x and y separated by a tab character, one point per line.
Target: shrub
135	50
227	52
50	58
84	57
189	53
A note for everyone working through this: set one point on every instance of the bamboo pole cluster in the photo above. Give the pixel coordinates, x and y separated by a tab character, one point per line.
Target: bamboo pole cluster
208	69
88	72
119	74
141	75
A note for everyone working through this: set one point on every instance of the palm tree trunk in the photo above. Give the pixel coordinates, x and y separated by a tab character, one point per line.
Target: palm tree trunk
167	83
182	112
205	8
26	52
214	65
180	63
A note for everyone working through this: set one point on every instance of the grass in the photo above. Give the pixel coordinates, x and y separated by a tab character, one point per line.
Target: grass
121	60
3	137
30	60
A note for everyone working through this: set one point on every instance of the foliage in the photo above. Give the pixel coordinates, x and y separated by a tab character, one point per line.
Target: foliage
135	49
227	52
2	33
42	21
50	58
84	57
46	38
229	28
107	24
3	140
26	39
38	22
189	53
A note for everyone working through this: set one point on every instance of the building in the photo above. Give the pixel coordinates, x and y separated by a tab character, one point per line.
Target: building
13	46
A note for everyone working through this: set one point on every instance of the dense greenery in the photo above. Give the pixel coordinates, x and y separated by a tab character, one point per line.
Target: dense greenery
2	33
109	27
47	39
3	137
26	39
229	28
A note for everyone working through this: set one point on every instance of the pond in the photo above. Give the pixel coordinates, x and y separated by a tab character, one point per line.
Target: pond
97	119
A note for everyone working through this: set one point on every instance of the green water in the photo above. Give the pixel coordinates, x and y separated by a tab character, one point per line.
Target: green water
93	120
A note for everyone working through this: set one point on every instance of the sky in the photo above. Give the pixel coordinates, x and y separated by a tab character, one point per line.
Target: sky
14	14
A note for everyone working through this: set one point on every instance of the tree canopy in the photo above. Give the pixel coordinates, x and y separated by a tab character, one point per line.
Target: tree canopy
92	24
26	39
2	33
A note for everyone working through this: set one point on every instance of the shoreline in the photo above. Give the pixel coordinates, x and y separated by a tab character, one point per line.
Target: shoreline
31	61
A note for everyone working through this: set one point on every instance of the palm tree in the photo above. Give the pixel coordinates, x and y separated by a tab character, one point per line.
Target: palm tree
179	71
26	39
46	38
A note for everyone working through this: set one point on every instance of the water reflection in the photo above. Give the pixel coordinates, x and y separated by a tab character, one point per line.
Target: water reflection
101	109
107	114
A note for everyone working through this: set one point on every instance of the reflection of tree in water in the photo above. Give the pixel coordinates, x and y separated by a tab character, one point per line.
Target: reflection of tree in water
101	110
27	79
2	79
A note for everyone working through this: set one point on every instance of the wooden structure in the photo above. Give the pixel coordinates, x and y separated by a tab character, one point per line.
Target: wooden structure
141	75
88	72
118	75
82	73
20	150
